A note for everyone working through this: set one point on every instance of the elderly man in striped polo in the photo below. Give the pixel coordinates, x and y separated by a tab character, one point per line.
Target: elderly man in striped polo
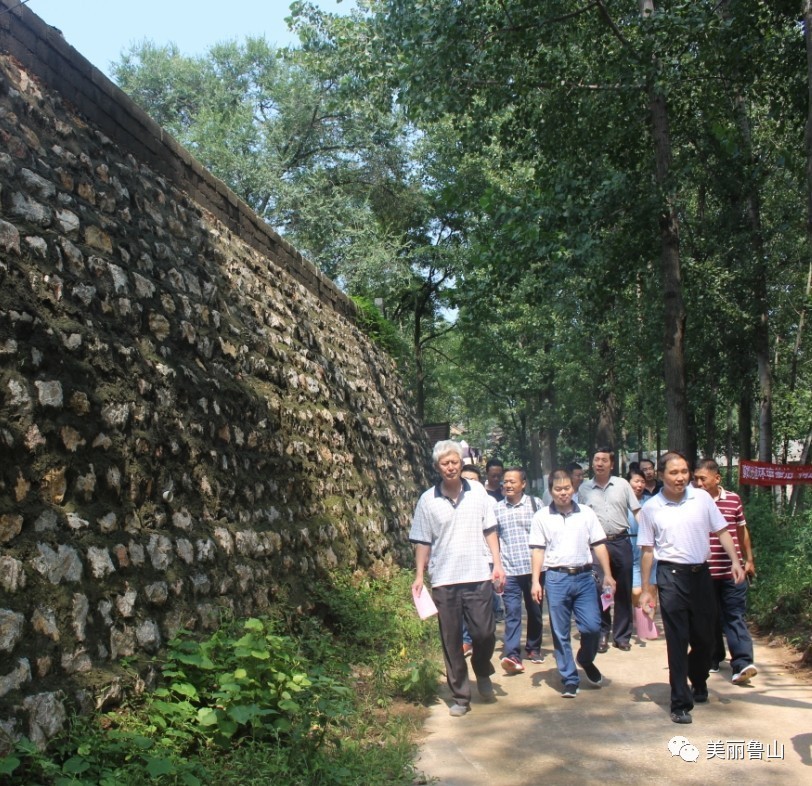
447	529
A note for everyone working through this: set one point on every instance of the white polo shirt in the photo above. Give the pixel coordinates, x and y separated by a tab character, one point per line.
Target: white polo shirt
566	539
680	531
454	533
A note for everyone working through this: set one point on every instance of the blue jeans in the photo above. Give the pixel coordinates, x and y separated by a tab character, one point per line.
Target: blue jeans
569	596
517	589
731	600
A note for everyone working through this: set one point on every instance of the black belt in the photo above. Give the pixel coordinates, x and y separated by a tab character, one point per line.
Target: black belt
684	567
619	536
571	571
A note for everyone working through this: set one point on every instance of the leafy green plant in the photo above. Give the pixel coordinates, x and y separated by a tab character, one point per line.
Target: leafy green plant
781	597
314	705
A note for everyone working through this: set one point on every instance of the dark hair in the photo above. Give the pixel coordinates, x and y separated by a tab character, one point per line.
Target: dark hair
494	463
558	474
472	468
520	470
708	463
670	456
572	466
650	461
605	449
635	471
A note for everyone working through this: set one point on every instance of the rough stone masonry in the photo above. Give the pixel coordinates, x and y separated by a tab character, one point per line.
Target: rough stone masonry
190	427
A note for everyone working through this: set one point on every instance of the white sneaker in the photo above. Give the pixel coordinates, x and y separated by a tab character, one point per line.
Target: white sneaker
746	674
458	710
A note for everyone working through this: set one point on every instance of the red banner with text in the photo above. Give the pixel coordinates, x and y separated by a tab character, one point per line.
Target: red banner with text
762	473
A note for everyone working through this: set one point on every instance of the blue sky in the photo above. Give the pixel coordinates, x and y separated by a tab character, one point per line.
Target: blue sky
102	29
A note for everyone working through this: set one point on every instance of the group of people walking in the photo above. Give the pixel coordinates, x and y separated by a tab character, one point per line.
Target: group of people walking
597	550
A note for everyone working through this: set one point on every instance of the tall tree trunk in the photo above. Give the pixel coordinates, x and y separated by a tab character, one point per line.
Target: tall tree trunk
797	491
676	398
607	400
762	330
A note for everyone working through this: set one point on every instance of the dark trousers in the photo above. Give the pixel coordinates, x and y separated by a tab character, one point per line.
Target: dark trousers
621	562
473	603
731	601
688	611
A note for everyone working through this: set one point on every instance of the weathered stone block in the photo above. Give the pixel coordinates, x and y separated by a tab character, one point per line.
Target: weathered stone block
49	393
16	678
46	717
160	551
11	629
57	566
100	563
12	575
11	524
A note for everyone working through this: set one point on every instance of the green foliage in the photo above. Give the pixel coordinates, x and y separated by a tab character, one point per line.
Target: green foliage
379	329
252	704
781	597
382	632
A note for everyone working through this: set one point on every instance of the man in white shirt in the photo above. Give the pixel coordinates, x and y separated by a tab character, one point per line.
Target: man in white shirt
447	529
675	526
561	538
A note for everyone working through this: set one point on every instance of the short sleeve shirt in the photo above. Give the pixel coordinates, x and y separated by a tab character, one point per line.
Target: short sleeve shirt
566	539
514	529
730	506
611	503
680	531
454	533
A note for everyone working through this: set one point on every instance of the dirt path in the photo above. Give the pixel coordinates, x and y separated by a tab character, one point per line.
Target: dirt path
621	732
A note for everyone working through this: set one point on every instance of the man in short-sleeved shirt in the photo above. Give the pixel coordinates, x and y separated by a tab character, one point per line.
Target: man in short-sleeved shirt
612	498
514	514
447	529
675	526
731	598
562	537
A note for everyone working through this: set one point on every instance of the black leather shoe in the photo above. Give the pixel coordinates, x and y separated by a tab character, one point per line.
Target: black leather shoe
603	644
700	695
681	716
622	645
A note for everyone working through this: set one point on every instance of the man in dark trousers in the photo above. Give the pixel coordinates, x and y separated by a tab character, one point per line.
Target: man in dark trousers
611	497
675	527
449	523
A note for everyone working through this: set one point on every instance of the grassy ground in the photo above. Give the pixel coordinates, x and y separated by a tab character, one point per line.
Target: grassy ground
333	697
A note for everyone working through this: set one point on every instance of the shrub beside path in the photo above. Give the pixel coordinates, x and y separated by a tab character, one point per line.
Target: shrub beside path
753	734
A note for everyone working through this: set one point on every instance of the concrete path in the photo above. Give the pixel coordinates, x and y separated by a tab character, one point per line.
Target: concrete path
755	734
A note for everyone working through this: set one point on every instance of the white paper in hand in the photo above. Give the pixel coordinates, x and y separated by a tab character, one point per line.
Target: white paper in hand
424	604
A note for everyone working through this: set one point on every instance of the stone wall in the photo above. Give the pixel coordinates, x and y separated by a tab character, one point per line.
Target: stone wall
191	425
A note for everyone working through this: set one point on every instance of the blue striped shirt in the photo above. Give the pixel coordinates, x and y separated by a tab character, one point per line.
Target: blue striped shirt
514	531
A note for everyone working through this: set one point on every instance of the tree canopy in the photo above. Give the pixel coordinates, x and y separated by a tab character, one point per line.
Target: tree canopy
588	219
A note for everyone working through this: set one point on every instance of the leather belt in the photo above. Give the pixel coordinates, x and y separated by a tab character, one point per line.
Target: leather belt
618	536
571	571
685	567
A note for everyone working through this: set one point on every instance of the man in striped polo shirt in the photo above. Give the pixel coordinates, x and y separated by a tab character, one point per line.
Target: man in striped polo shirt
674	528
731	598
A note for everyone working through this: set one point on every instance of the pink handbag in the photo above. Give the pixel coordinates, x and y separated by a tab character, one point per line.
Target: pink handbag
646	629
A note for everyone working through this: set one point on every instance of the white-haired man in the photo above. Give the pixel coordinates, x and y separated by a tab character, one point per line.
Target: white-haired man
447	529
